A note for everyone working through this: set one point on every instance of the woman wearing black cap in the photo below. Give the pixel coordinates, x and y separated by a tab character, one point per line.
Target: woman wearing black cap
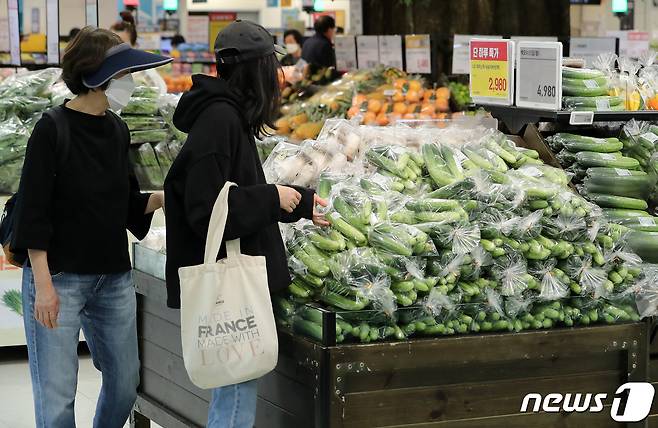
221	116
77	197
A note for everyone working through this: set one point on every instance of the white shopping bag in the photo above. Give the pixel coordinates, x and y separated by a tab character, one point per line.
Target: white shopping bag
227	324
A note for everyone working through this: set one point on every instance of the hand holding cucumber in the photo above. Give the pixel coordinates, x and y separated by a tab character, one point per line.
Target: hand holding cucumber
318	217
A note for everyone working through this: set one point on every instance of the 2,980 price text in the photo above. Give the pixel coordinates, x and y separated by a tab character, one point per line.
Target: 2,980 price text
497	84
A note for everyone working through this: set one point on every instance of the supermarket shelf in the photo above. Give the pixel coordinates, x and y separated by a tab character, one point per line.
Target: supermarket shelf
517	117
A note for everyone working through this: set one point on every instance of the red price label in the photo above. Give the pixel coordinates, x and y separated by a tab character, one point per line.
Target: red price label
490	69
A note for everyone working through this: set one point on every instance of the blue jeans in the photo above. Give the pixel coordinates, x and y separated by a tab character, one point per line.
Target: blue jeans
233	406
104	307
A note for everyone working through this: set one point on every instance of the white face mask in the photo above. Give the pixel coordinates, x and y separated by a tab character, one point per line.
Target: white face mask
292	47
119	91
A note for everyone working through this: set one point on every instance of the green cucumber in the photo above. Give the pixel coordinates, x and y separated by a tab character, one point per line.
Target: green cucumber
349	231
611	201
581	73
582	91
432	205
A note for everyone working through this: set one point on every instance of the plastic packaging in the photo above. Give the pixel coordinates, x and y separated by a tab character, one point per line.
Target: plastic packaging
554	282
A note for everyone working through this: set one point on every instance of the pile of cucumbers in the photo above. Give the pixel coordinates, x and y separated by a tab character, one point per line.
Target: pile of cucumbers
455	239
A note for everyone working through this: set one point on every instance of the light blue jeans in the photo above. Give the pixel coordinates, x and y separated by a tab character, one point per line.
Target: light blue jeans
104	307
233	406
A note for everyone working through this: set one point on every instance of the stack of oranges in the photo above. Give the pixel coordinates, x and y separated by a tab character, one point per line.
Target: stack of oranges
404	99
177	84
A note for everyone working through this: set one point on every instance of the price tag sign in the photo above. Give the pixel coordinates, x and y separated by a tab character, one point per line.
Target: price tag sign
539	75
492	71
345	53
91	12
14	33
417	53
367	53
581	118
390	51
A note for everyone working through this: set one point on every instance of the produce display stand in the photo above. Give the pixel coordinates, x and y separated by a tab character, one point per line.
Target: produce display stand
516	117
461	381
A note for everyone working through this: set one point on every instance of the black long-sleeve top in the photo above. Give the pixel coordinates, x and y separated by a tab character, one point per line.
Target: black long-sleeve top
78	208
219	148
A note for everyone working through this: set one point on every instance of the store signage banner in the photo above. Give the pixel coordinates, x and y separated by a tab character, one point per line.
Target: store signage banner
219	21
367	51
197	29
631	43
14	33
91	12
589	48
390	51
345	53
539	75
492	71
418	54
460	54
356	17
52	31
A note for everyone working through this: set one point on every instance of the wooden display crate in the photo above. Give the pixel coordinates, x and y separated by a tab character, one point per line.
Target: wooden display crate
461	381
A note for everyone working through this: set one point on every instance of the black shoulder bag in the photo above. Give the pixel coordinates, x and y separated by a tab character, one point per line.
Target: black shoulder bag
16	256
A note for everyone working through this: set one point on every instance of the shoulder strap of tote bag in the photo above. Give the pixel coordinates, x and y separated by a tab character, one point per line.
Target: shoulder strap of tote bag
216	228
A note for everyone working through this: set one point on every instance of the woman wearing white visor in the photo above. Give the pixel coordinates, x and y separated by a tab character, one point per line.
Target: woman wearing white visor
77	196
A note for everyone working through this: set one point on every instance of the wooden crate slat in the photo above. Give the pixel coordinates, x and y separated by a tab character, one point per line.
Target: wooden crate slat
540	420
158	331
174	397
269	415
171	367
153	306
447	374
466	400
162	415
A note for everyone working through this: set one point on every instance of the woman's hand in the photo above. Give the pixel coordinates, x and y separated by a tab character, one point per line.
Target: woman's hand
155	202
318	218
289	198
46	303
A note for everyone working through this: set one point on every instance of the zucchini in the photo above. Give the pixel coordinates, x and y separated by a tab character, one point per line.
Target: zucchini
601	145
611	160
612	201
582	91
618	213
586	83
645	244
593	102
307	328
581	73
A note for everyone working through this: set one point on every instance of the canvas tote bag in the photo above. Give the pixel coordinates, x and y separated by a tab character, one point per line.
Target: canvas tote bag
227	324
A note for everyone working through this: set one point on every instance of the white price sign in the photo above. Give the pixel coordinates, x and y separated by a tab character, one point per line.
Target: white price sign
539	75
418	54
345	53
14	33
52	31
390	51
91	12
367	51
589	48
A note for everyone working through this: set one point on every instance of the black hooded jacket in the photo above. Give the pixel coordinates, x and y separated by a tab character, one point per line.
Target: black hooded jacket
220	148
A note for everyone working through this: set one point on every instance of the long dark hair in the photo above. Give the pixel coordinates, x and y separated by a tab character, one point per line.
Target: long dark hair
258	82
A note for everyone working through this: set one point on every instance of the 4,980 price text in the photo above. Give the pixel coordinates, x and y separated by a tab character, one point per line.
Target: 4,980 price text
546	91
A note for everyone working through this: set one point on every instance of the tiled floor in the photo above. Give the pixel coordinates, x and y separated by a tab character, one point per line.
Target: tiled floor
16	408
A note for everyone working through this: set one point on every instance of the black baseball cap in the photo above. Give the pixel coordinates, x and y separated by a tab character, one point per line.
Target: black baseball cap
243	41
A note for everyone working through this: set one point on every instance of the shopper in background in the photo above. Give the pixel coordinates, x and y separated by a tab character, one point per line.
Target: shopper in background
319	50
294	41
177	40
74	32
77	197
222	115
126	28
